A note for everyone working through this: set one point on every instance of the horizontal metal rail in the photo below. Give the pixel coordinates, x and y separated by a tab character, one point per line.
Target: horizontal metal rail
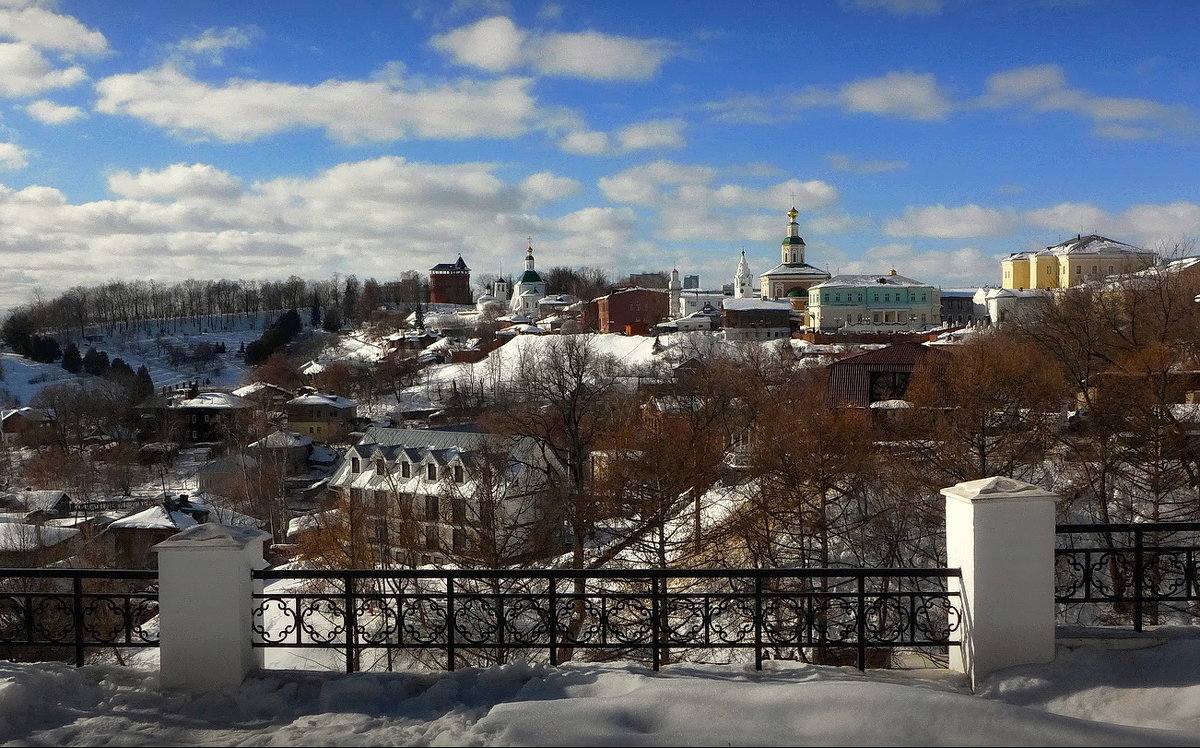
76	609
639	614
1131	567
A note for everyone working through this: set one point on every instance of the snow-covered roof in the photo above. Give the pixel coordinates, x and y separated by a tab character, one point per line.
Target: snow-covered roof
318	398
157	518
223	400
256	387
747	304
15	536
39	500
282	440
311	368
861	281
32	414
798	268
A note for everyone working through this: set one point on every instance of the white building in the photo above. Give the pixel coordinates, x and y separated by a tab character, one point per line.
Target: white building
528	291
873	303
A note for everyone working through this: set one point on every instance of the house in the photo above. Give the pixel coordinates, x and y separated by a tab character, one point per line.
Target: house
875	376
873	303
1074	262
632	311
39	506
265	396
321	416
756	319
285	448
32	426
207	416
428	494
27	545
223	476
129	540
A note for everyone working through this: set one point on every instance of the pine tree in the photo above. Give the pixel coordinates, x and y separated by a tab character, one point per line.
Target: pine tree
72	361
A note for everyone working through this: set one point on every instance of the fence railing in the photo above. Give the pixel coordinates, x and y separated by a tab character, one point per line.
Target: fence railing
63	612
1139	573
651	615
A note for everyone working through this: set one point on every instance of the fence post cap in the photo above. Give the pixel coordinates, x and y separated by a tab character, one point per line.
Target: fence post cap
994	489
212	535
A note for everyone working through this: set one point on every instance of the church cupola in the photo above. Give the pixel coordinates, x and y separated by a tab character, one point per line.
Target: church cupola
529	258
792	249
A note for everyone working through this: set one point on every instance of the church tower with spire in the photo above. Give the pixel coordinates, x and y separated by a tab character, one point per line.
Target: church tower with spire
528	290
743	281
792	277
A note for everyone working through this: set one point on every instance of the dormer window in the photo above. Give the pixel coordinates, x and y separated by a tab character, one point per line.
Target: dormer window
431	472
406	469
380	466
458	474
355	465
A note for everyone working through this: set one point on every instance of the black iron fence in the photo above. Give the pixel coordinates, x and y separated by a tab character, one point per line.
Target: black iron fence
376	619
61	613
1118	574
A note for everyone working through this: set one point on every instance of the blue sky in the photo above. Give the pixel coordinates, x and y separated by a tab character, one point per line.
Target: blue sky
256	140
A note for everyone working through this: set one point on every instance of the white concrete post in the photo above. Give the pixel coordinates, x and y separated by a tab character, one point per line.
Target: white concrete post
205	605
1000	532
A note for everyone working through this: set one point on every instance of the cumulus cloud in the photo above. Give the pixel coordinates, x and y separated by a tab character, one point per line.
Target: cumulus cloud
842	162
965	266
384	109
962	222
211	44
178	181
25	71
691	204
1044	88
652	134
53	114
196	220
905	95
39	26
1150	226
13	157
497	45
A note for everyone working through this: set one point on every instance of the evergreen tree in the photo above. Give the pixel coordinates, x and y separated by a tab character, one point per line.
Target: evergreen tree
143	385
314	317
72	361
95	362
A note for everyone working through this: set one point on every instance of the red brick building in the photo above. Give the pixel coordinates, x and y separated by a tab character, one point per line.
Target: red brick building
450	283
632	311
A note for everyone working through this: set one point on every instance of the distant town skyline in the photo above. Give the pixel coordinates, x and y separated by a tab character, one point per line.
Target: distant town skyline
260	140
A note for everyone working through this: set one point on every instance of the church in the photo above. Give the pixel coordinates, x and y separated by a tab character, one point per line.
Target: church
792	277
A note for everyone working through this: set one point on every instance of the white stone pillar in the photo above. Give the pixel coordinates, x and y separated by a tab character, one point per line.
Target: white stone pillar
205	605
1000	532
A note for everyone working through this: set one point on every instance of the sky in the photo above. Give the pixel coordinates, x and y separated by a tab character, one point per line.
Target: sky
164	141
1141	691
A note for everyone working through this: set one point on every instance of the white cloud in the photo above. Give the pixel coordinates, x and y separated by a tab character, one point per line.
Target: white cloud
496	44
651	134
842	162
1151	226
242	110
1044	88
13	157
184	220
546	186
941	222
53	114
41	27
966	266
900	7
212	43
178	181
24	71
906	95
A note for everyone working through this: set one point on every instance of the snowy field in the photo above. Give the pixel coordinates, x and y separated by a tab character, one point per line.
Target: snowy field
1143	691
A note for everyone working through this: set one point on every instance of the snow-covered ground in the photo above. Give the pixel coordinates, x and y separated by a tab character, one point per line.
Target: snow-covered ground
1139	691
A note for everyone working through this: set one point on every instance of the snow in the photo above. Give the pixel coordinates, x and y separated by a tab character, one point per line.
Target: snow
1094	693
16	537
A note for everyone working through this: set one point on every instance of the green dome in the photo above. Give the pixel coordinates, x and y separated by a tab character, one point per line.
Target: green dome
530	276
797	292
793	240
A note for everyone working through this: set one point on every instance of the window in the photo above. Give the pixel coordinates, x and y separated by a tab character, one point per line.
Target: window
433	540
355	465
431	508
431	472
406	469
460	540
380	466
458	509
458	474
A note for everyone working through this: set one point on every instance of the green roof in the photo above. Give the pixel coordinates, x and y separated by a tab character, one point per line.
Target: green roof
793	240
530	276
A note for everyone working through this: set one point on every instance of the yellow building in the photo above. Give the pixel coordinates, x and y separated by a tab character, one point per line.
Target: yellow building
1075	261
